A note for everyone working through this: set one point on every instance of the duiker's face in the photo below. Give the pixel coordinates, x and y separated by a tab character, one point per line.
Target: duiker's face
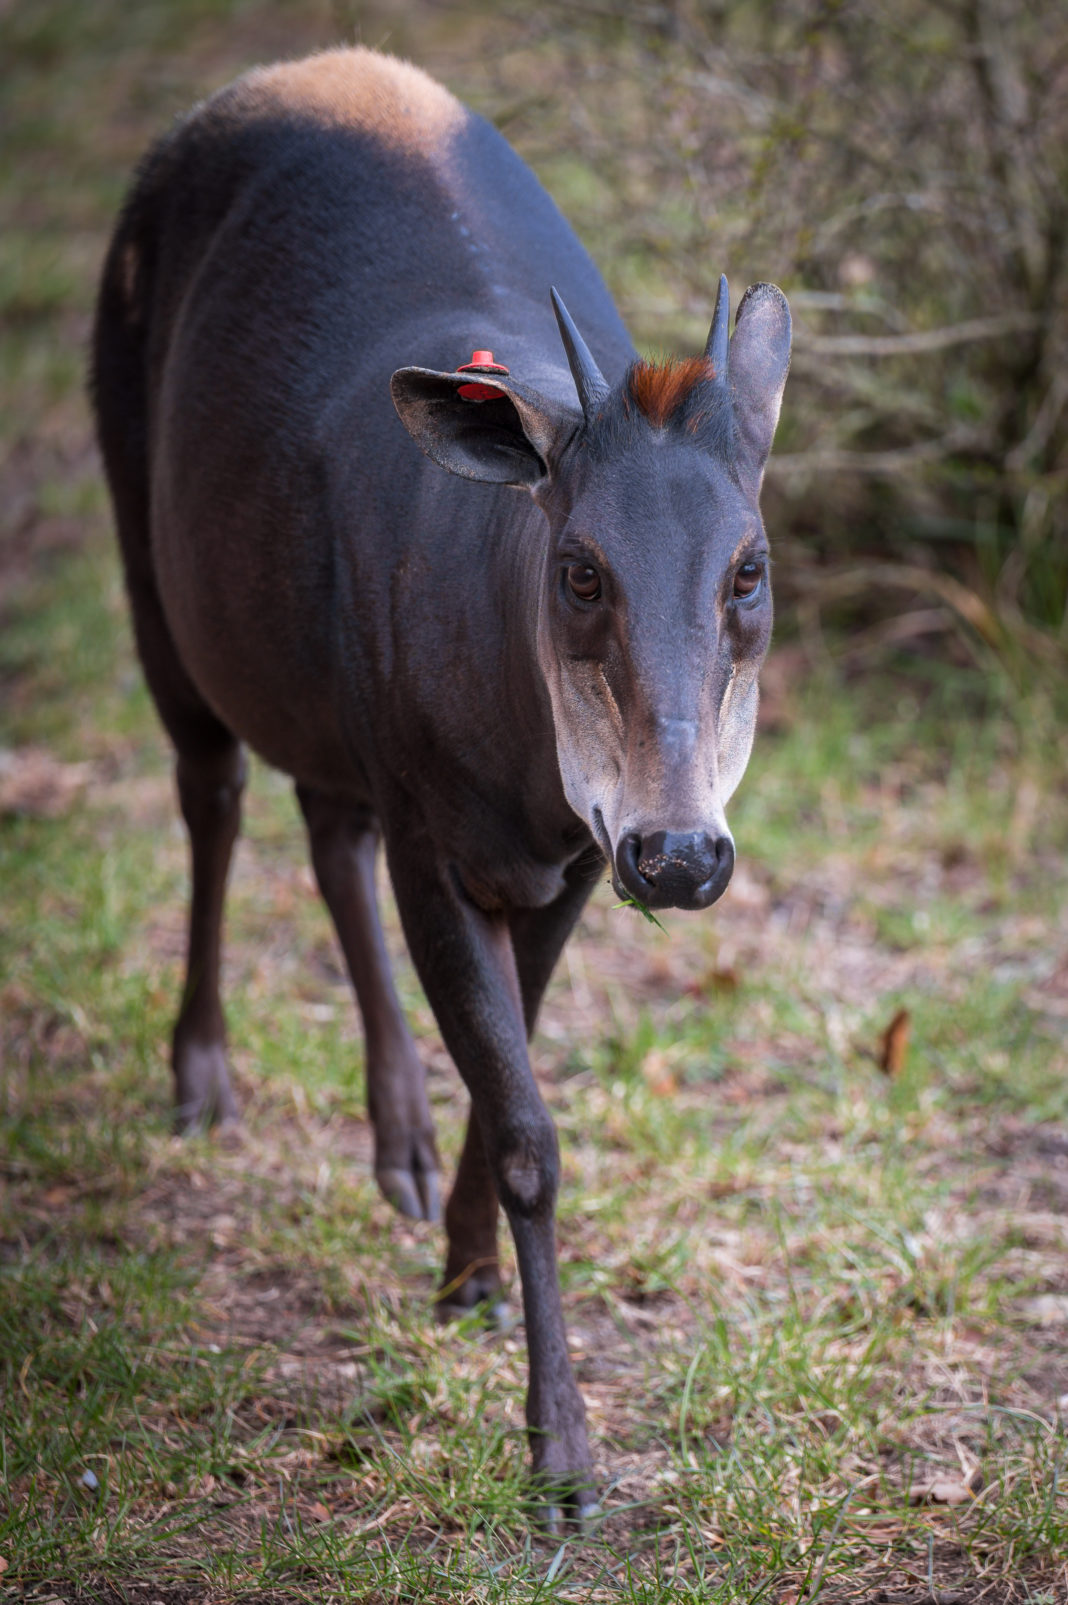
655	611
654	621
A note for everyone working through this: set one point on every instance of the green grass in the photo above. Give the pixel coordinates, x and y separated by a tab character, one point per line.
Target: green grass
799	1289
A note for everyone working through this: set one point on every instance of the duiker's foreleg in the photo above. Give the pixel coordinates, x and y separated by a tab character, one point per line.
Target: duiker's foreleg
472	1272
467	965
539	934
344	843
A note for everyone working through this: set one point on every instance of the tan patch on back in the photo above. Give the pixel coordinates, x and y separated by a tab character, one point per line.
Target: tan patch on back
358	88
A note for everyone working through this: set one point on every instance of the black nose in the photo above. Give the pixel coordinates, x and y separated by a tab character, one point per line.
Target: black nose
668	871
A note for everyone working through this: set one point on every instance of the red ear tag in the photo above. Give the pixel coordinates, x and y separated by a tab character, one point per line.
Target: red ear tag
481	362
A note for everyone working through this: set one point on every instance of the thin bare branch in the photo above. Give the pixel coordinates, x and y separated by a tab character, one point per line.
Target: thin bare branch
1045	423
894	461
918	343
909	576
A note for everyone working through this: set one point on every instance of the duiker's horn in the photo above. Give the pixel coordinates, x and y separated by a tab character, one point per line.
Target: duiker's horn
719	334
590	382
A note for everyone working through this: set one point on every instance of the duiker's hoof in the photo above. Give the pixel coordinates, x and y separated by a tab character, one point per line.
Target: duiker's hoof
567	1508
415	1194
203	1095
478	1294
494	1313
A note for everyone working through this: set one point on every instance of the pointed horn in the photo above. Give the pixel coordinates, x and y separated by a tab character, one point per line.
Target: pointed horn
590	382
718	335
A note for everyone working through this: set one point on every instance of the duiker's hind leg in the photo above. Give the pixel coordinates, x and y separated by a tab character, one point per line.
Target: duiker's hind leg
211	769
210	784
472	1276
210	772
344	844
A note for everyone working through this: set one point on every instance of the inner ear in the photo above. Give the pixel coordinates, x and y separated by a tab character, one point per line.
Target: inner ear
759	362
504	441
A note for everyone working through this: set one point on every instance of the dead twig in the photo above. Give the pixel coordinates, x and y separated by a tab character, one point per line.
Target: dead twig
918	343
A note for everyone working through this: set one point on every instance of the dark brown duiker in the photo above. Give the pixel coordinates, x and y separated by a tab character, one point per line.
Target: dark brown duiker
508	673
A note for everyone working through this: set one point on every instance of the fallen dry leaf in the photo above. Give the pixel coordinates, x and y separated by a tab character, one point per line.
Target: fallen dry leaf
320	1512
946	1491
895	1044
942	1491
659	1076
723	979
33	782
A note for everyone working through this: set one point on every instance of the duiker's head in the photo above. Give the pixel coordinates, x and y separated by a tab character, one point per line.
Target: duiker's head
655	611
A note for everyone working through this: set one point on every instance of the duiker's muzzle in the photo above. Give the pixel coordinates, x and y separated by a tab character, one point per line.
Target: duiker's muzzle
664	870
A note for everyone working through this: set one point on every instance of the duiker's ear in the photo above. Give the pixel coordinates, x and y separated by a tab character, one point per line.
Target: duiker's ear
758	365
510	440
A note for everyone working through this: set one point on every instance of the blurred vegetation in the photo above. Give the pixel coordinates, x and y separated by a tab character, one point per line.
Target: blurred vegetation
902	170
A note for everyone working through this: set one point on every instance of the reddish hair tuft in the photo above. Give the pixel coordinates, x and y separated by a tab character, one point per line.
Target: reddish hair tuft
661	388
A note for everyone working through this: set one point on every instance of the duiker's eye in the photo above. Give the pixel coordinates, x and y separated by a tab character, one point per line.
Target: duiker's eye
747	580
584	582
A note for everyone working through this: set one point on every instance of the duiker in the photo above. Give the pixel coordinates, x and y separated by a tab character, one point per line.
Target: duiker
509	673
